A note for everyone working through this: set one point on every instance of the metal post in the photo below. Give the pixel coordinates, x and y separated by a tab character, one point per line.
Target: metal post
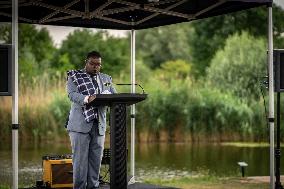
132	157
271	95
243	171
15	93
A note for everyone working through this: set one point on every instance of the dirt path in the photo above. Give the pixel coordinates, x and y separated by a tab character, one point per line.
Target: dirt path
259	179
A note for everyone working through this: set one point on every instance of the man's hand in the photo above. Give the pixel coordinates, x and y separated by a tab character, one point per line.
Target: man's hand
91	98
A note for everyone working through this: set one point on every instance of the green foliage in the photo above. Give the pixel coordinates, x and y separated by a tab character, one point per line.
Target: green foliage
199	111
2	186
64	63
59	108
238	66
35	49
38	42
144	73
28	66
72	53
177	69
210	34
37	124
211	111
259	128
165	107
161	44
195	109
40	118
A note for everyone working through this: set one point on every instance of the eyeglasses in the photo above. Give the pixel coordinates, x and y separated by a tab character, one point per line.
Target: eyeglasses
94	63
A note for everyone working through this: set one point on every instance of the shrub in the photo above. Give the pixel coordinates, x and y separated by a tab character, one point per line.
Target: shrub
238	66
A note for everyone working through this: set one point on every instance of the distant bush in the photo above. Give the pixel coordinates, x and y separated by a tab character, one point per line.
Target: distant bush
213	112
197	110
164	108
59	108
238	67
200	111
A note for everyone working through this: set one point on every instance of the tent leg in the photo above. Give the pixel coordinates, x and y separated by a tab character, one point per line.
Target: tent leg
15	93
132	157
271	96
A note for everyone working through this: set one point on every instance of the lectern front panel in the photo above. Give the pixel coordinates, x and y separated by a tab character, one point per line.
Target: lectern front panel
118	164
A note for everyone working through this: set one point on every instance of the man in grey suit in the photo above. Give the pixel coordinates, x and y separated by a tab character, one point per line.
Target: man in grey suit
87	125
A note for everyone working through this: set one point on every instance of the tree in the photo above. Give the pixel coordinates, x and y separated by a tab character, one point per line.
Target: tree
158	45
210	34
114	51
238	67
39	43
35	48
176	70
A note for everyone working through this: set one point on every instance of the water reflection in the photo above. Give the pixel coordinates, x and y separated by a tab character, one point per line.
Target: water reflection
219	160
152	160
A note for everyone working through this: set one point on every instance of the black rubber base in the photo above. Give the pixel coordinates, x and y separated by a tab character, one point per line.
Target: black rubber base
136	185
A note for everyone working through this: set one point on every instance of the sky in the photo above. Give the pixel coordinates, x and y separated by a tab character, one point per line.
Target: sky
279	2
59	33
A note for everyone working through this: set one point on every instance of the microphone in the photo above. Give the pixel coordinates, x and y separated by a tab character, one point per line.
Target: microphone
136	84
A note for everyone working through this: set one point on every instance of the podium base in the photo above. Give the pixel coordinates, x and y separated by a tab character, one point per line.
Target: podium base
132	186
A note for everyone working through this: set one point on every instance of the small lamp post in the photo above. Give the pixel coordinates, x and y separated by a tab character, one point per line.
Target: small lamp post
242	166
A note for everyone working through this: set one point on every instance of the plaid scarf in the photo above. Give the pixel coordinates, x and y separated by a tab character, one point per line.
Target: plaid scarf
85	86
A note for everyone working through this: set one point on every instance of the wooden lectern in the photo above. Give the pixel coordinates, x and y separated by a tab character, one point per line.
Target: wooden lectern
118	141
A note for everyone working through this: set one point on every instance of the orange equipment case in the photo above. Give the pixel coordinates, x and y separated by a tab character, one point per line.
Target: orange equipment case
57	171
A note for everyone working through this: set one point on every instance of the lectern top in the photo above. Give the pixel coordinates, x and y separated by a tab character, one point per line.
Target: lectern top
122	98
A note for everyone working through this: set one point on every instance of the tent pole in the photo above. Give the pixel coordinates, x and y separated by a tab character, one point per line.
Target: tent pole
15	93
271	95
132	157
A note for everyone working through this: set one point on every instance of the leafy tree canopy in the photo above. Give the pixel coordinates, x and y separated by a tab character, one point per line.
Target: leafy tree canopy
158	45
210	34
35	48
177	69
238	67
72	53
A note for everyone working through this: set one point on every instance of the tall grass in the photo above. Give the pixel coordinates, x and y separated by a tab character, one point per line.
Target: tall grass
42	107
176	108
201	112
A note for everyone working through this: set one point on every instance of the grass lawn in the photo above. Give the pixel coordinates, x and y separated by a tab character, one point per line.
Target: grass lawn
209	182
206	182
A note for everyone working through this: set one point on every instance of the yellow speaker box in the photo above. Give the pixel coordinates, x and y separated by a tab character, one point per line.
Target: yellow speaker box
57	171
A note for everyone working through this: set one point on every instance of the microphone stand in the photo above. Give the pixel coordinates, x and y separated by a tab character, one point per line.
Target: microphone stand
131	84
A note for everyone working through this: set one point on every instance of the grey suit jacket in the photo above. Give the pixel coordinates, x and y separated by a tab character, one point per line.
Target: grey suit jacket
77	121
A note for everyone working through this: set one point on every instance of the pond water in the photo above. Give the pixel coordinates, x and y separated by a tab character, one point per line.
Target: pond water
154	160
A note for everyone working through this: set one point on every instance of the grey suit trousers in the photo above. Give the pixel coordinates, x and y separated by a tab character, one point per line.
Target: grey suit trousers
87	149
